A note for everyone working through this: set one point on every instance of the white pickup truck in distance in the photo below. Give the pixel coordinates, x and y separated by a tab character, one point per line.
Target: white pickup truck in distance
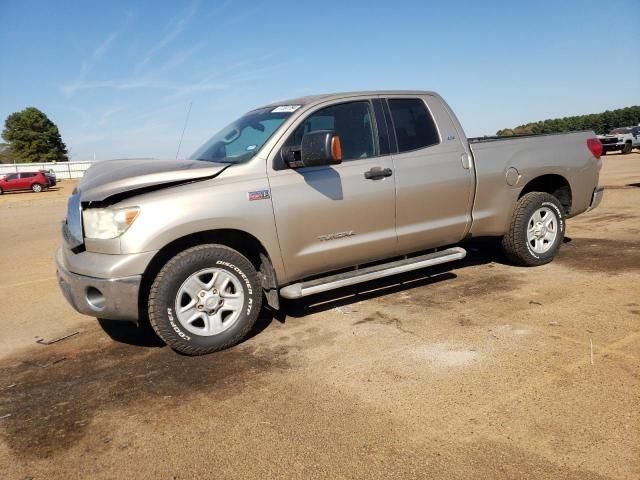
622	139
308	195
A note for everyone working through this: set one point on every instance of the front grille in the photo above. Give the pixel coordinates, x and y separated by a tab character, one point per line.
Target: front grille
608	141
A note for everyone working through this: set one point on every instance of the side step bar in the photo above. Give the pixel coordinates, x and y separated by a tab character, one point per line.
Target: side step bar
302	289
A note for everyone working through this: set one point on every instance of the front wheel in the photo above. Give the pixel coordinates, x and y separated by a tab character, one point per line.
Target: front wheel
627	148
205	299
36	187
536	231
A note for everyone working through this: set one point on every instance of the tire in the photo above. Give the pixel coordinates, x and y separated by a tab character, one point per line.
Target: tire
604	152
199	274
1	191
36	187
627	148
518	244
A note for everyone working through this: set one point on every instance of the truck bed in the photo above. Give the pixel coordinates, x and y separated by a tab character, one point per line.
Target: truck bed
556	154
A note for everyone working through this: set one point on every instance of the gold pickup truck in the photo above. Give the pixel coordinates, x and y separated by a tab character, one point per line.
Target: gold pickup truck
308	195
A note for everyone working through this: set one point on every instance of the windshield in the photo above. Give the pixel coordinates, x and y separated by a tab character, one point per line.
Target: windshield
241	140
618	131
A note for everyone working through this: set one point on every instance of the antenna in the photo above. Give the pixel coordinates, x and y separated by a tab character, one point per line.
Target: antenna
186	120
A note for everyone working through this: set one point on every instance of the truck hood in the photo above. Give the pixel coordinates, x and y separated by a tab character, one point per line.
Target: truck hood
113	180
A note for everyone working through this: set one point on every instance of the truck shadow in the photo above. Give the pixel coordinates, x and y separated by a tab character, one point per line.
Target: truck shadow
140	334
480	251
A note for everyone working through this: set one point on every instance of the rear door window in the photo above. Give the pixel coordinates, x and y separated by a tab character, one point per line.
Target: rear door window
413	125
27	175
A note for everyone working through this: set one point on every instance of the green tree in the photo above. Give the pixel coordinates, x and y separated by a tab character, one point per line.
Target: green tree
598	122
32	137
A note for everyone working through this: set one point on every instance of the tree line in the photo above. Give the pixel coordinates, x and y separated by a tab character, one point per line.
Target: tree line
598	122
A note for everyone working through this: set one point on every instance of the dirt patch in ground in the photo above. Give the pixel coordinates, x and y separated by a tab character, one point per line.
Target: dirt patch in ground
383	319
601	255
52	398
440	295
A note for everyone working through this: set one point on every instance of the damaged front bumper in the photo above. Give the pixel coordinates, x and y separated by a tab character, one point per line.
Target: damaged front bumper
108	298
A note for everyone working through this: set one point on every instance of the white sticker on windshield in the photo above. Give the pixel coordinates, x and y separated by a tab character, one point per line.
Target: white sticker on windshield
251	147
286	108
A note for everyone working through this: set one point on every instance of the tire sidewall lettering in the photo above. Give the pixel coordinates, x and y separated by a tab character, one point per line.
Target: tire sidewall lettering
244	279
238	271
175	327
559	219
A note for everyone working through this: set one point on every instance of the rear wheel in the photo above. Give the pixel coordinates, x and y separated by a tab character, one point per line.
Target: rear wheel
36	187
627	148
205	299
536	231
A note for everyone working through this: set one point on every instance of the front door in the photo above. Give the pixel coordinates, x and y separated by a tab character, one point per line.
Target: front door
13	181
331	217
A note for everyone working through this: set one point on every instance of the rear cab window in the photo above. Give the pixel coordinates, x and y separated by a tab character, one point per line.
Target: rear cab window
413	125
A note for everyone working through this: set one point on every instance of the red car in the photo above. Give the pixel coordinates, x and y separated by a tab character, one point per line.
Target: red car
36	181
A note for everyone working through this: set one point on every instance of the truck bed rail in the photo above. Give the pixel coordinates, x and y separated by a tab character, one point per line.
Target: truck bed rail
496	138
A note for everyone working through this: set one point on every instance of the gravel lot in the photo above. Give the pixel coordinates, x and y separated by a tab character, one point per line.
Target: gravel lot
474	370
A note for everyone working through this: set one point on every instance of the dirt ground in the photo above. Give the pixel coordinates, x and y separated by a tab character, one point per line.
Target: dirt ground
473	370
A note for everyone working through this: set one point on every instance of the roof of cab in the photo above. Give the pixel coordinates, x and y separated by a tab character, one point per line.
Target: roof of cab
335	96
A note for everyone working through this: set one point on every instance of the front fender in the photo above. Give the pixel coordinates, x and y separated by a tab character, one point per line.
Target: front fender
170	214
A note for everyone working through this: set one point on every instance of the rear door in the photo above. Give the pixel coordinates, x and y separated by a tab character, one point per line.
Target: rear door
329	217
26	179
433	174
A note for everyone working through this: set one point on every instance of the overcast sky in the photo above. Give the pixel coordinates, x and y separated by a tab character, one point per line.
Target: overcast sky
118	77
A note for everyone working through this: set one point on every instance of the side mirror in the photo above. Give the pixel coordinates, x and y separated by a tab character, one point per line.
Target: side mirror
321	147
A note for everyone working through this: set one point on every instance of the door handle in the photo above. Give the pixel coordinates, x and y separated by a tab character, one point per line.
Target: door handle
465	158
377	173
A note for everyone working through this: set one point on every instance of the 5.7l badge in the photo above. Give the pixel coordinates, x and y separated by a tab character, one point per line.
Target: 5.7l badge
259	195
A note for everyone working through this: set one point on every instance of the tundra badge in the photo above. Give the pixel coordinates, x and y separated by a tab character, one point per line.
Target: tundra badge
334	236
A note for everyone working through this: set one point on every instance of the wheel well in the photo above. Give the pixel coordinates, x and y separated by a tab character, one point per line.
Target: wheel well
556	185
243	242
